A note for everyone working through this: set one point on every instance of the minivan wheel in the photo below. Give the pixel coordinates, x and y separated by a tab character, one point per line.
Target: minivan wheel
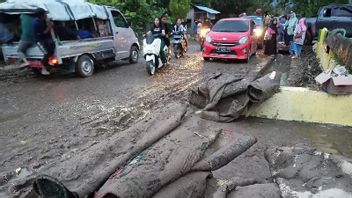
85	66
134	55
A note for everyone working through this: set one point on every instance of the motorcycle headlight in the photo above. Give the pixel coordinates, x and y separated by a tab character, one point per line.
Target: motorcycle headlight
208	39
204	32
243	40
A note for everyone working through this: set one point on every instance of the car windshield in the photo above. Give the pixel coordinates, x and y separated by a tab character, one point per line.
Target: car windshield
258	21
231	26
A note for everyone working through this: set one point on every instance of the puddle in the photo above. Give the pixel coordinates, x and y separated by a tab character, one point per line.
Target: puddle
329	138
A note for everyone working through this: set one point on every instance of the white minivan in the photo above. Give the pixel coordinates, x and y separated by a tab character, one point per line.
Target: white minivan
106	35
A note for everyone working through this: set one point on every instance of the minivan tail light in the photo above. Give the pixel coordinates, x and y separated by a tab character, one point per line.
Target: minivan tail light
53	60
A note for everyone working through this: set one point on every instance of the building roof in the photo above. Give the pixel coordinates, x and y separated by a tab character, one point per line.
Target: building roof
206	9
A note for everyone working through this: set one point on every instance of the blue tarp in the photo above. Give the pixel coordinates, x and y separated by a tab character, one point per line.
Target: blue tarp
206	9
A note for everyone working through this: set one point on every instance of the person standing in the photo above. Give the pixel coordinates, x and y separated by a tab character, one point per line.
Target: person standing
27	37
270	38
292	22
298	39
42	34
283	21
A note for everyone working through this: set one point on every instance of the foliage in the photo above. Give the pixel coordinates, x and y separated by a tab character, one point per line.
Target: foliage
179	8
139	12
310	7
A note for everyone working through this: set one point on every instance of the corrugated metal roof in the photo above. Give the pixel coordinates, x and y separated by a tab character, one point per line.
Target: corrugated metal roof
206	9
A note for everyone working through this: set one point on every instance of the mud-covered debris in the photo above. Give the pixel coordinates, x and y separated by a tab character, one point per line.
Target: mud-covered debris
304	171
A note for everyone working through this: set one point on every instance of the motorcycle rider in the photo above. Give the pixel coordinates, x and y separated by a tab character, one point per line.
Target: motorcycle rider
158	29
180	29
167	28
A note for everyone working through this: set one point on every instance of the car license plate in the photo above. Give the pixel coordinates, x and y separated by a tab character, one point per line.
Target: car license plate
223	50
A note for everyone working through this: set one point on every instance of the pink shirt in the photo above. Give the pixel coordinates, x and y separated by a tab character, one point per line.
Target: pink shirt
298	30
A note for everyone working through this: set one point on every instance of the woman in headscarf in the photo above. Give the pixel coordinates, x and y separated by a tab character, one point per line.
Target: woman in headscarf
299	36
270	38
291	25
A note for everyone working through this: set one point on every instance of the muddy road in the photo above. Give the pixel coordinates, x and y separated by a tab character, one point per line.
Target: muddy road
43	119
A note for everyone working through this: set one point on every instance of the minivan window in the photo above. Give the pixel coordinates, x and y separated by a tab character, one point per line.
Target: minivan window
119	20
231	26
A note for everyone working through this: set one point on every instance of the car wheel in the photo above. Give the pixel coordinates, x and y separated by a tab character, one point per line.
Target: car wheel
85	66
206	59
134	55
249	55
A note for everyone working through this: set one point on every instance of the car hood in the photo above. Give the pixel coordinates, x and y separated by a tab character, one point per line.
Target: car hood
227	36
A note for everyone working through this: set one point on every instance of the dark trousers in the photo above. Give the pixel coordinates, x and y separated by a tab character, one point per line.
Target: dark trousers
49	47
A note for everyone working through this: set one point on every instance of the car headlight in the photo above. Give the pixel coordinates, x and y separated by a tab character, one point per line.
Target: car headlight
258	32
208	39
243	40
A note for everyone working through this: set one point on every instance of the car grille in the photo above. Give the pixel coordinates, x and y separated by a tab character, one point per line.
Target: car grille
225	44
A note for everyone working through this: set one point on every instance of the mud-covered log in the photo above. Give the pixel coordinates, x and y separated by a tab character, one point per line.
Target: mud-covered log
89	169
226	154
226	186
192	185
263	88
167	160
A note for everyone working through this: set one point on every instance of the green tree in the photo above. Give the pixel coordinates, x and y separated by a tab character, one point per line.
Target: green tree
232	7
140	13
310	8
179	8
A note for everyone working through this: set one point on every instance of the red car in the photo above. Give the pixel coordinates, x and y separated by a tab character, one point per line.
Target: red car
231	38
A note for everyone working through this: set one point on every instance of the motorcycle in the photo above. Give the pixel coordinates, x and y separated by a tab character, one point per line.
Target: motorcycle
203	33
179	44
151	53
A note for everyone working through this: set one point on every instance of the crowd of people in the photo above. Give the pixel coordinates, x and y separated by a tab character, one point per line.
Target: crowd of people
163	29
286	30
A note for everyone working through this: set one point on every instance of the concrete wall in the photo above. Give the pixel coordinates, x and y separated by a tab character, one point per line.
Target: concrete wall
302	104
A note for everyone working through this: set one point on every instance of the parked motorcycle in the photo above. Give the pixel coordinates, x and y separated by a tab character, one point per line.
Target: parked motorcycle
151	53
179	44
203	33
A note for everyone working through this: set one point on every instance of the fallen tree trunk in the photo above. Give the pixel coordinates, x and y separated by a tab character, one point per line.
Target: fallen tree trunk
191	185
226	154
88	170
162	163
224	187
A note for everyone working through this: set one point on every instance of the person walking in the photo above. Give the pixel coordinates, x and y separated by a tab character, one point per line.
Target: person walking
298	39
27	37
42	34
270	38
291	25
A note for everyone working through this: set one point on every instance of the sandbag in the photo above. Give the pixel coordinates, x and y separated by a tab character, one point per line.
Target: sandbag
303	170
226	154
162	163
191	185
87	170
